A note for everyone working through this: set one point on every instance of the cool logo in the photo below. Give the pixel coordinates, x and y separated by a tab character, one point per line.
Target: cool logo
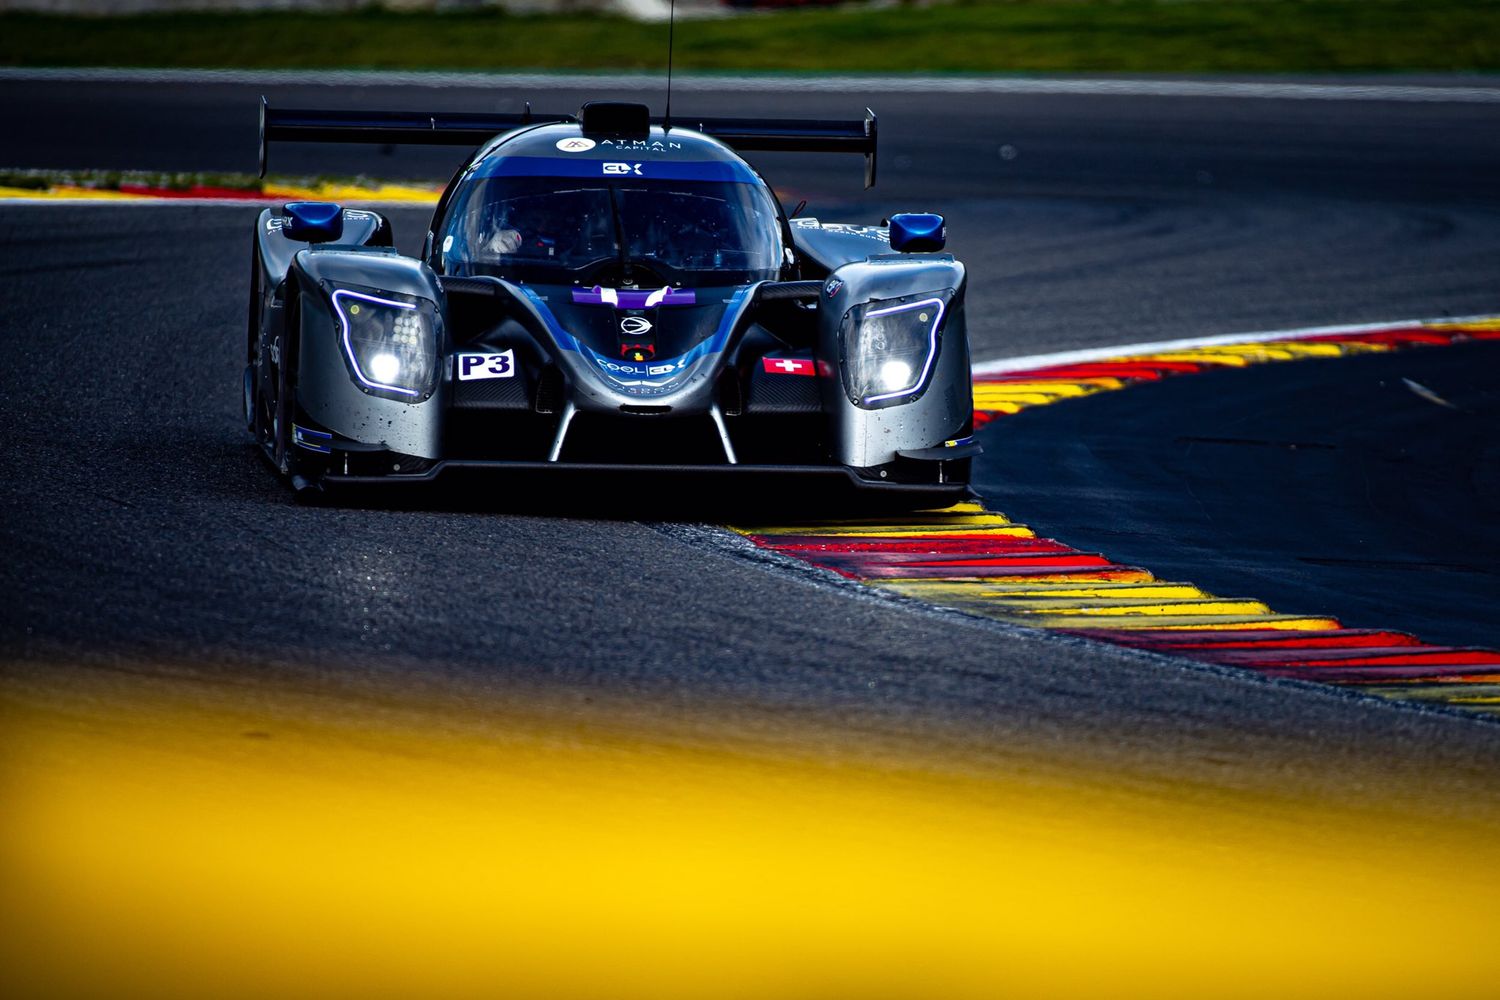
623	168
629	369
626	369
479	366
577	144
634	326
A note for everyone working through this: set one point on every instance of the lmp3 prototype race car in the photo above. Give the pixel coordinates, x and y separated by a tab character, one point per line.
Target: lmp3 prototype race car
603	293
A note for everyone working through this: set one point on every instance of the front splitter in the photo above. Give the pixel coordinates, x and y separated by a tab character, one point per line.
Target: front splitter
834	479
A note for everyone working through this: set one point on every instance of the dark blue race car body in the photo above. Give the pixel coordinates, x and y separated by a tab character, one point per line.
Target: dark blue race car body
600	294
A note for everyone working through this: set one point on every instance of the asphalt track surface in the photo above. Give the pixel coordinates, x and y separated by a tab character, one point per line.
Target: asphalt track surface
143	535
1366	487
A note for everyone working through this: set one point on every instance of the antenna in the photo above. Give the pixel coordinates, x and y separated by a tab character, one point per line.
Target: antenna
671	33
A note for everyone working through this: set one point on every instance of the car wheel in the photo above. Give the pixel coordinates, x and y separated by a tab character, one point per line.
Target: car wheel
281	414
249	393
253	362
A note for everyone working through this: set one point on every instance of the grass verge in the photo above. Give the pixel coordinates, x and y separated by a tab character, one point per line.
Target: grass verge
975	36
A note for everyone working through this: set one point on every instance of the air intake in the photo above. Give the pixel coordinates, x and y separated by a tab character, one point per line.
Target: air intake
614	118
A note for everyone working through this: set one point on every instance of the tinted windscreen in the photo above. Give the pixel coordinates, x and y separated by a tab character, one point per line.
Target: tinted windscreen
542	228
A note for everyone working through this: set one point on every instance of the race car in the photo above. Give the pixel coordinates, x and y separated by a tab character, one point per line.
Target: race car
605	293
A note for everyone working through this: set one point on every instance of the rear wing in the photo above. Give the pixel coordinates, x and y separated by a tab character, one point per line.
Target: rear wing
475	128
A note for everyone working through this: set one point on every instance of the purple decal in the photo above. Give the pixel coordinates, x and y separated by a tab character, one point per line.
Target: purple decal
634	298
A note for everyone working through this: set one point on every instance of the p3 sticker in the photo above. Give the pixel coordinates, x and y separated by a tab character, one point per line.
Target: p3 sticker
472	367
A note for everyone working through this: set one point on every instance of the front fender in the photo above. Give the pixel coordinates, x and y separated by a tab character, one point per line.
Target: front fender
326	391
865	438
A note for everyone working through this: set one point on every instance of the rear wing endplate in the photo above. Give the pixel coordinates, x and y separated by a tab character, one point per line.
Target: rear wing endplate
475	128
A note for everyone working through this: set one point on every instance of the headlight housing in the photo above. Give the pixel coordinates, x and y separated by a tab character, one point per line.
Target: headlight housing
890	347
390	341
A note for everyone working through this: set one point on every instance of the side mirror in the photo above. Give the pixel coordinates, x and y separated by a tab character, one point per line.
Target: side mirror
312	221
918	232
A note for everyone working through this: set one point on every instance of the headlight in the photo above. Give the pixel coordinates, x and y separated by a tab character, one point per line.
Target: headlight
390	341
889	347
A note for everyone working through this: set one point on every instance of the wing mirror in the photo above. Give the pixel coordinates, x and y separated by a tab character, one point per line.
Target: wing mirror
918	232
312	221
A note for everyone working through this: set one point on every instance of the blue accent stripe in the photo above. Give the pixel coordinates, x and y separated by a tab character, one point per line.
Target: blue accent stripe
564	339
305	437
622	169
727	321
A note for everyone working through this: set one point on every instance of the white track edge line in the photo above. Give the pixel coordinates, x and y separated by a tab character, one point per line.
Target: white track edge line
1001	366
1262	89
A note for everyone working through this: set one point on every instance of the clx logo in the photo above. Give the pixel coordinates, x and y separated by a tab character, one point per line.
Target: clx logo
623	168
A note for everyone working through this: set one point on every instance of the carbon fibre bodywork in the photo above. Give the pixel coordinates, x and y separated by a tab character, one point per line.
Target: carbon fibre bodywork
615	368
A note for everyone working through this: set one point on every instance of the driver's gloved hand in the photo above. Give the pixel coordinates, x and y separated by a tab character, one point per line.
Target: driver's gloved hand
504	241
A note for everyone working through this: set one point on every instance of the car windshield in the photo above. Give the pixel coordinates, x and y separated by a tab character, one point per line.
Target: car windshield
550	228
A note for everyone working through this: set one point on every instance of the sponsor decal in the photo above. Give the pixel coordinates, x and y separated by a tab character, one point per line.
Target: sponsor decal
634	326
623	168
350	214
654	145
622	367
869	232
833	286
626	368
576	144
789	366
472	367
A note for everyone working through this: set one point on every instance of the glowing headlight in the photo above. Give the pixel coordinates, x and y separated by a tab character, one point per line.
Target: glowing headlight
890	346
390	342
895	374
385	367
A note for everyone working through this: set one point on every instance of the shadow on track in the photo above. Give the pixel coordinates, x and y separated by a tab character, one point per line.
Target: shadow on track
625	496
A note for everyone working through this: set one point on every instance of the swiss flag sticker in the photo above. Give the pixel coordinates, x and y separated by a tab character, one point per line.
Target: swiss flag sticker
789	366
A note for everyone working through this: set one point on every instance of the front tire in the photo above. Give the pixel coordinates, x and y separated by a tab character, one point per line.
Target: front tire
269	393
249	397
253	363
281	413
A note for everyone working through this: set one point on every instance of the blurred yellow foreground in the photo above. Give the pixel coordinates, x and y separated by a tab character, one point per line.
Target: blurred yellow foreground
160	845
